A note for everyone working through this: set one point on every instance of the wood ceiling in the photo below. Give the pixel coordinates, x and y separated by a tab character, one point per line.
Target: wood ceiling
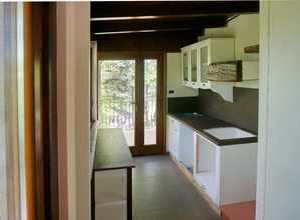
109	19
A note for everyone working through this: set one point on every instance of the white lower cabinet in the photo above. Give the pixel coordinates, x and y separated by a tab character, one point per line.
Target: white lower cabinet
226	173
180	142
185	147
206	169
172	136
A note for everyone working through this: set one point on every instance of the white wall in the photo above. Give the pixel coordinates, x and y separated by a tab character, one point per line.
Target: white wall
174	81
245	30
278	195
73	61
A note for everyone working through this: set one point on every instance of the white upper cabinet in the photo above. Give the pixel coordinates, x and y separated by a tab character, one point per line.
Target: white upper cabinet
197	57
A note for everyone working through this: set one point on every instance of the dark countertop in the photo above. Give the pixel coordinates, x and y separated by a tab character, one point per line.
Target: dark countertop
199	123
112	151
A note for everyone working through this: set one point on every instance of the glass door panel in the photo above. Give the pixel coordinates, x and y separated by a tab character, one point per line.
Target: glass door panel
185	66
204	63
132	98
150	101
194	66
117	96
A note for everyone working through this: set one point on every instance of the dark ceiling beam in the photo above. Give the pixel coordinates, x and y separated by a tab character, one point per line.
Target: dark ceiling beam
184	24
155	41
158	33
117	10
144	31
160	17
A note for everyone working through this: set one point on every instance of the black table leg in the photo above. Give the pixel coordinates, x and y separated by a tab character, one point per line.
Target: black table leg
93	202
129	193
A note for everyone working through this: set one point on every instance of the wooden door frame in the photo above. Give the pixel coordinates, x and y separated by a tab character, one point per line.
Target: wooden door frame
29	36
56	147
139	149
158	148
49	165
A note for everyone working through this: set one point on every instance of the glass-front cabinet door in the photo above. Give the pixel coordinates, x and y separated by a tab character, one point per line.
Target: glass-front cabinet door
185	66
194	66
203	65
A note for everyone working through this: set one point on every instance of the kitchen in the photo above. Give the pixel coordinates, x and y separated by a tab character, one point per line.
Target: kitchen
209	128
213	136
150	110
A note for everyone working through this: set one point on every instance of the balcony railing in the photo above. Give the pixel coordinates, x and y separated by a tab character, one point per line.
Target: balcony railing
120	113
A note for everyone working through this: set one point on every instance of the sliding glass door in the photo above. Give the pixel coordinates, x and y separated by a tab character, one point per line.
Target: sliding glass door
131	98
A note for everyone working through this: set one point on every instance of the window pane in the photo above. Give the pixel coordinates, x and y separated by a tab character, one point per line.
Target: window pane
150	100
117	96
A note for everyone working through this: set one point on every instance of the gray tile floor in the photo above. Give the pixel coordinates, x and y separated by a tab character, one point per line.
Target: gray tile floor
161	192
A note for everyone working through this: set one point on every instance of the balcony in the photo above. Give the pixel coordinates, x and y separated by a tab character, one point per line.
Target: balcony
116	112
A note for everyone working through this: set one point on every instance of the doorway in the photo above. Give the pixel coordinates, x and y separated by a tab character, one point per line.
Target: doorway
132	98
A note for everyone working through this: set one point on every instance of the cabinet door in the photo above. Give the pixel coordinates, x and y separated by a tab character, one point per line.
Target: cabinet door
203	64
172	136
186	146
185	66
206	172
194	66
169	138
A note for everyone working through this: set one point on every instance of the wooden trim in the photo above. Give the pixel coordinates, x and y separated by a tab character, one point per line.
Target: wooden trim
29	114
117	55
162	104
40	112
49	162
139	101
140	148
146	150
